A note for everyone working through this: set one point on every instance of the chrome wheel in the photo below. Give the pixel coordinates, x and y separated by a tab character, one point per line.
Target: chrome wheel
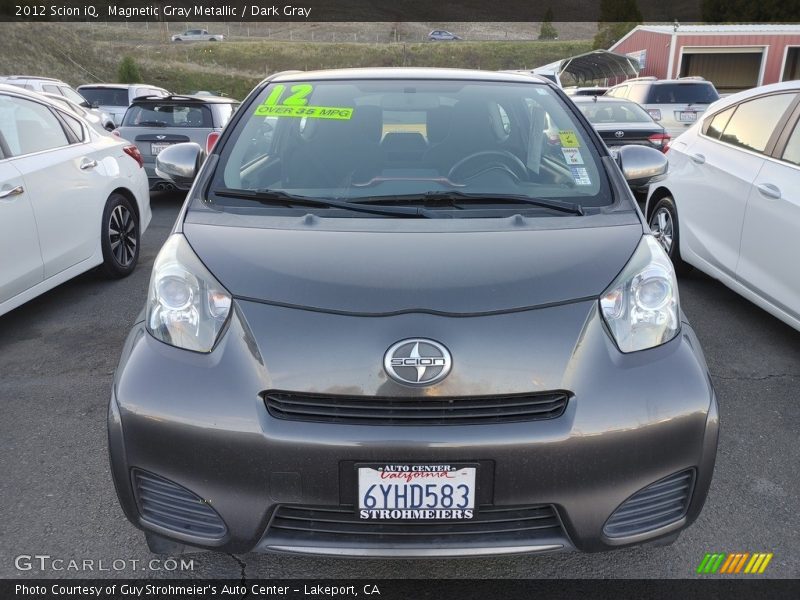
122	235
662	226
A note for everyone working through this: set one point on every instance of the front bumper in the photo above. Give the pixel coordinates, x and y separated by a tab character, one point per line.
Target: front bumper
200	421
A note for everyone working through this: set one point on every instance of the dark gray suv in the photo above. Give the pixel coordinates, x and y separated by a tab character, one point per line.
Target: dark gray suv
411	313
154	123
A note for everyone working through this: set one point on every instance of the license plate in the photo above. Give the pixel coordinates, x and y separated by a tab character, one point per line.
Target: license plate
688	117
416	492
157	147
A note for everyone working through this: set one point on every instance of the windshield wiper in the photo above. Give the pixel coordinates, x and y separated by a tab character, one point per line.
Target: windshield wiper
454	196
151	124
276	197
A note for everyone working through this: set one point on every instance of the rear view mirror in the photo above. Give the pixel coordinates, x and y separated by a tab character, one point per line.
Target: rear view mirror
179	164
641	166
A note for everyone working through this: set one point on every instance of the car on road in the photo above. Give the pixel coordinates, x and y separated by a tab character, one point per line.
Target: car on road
155	123
95	117
440	340
622	122
440	35
730	204
114	98
71	198
197	35
674	103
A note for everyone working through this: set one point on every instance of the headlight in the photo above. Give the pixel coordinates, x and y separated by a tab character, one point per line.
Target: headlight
186	306
641	307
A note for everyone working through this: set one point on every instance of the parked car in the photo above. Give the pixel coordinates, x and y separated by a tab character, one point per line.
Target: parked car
730	205
674	103
155	123
95	117
622	122
114	98
71	198
585	91
440	35
46	85
197	35
441	342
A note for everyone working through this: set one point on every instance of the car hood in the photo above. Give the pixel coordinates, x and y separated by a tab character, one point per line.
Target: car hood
380	272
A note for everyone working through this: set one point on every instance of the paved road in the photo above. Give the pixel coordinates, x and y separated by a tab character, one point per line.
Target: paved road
58	353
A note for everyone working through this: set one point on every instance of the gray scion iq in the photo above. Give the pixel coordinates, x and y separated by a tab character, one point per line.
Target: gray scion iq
411	313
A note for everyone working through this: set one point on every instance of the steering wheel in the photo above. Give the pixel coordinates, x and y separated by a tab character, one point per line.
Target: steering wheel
480	162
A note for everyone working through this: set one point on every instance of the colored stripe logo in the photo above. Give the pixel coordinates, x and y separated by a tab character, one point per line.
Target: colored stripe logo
734	563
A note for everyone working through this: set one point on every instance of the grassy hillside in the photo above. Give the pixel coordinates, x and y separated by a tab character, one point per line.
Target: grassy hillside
81	54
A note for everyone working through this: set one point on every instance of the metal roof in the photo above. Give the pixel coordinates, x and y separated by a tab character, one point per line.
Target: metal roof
593	66
694	29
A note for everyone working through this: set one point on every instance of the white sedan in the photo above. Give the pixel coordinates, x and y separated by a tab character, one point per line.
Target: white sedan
730	203
71	198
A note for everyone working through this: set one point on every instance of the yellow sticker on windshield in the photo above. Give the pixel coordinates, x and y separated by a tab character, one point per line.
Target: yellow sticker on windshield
296	105
568	139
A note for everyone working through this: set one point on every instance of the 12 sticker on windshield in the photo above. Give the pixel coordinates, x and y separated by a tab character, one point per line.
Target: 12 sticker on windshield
296	105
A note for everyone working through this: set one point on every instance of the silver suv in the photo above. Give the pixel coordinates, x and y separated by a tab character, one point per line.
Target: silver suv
46	85
675	103
115	98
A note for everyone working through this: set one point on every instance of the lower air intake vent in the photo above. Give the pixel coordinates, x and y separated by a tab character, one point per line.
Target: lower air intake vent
168	505
655	506
338	527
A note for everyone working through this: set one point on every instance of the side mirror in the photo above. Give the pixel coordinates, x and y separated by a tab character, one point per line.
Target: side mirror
641	165
95	105
179	164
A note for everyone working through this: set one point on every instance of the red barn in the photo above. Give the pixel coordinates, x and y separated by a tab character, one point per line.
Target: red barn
733	57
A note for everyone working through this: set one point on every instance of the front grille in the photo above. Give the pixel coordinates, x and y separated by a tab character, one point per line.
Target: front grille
657	505
339	526
167	504
360	410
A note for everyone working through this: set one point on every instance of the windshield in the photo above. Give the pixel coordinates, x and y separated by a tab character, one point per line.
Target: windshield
614	112
382	139
167	114
106	96
682	93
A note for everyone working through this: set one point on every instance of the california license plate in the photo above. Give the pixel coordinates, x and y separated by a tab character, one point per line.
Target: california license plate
401	492
157	147
688	117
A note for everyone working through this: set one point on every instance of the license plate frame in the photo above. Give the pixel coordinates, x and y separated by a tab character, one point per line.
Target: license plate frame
425	474
687	116
156	147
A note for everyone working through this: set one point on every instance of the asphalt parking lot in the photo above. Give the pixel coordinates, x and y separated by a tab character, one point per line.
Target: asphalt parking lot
59	351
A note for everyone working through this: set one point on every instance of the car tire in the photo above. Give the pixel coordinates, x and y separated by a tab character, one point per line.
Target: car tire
664	225
119	237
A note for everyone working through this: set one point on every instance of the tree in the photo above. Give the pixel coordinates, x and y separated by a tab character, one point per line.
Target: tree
747	11
617	17
128	71
547	31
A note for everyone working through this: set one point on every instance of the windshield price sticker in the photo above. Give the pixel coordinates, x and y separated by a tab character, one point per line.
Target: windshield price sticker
277	104
580	176
572	156
568	139
416	492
